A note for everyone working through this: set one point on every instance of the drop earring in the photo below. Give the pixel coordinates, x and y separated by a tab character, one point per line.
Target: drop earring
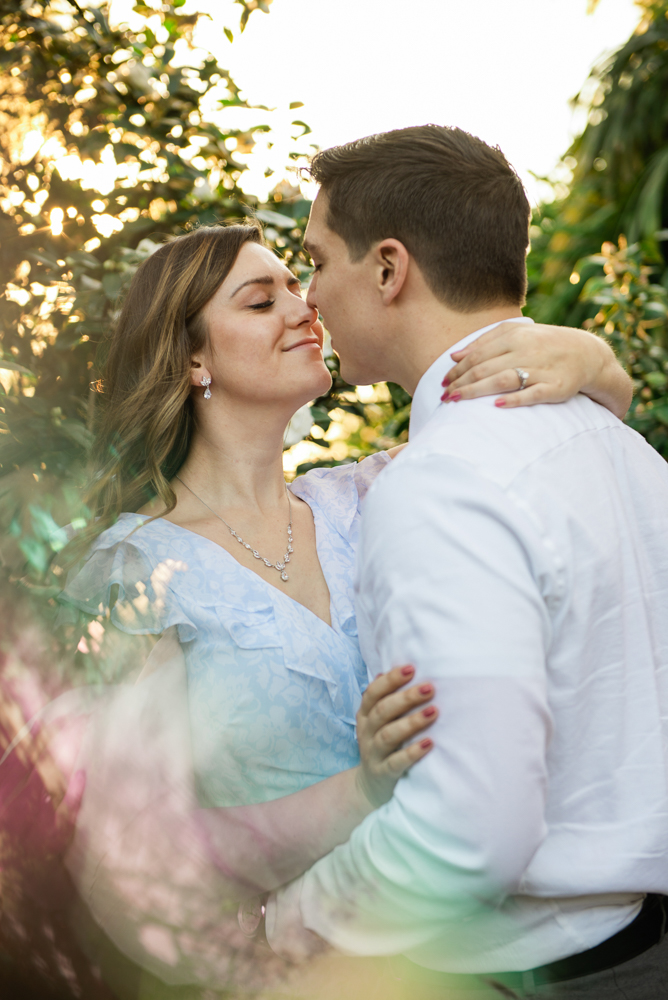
206	381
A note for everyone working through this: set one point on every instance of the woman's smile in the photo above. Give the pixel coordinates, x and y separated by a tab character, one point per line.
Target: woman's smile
307	343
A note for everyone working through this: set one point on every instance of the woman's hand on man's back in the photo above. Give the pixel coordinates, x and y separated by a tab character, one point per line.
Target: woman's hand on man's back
385	722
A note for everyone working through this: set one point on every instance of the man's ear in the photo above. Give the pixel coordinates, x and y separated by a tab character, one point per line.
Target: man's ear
392	259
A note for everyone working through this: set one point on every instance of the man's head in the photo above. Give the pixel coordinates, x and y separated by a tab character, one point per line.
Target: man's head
429	211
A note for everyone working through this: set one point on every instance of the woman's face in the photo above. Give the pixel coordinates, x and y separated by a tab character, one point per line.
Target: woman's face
265	343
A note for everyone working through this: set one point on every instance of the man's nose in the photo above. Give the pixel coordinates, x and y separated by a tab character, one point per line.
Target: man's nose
311	299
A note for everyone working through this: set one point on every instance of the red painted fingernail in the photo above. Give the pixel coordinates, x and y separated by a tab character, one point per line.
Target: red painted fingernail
425	689
446	380
429	711
455	396
445	397
499	402
425	744
407	671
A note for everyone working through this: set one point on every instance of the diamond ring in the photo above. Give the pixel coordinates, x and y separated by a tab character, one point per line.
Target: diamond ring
523	376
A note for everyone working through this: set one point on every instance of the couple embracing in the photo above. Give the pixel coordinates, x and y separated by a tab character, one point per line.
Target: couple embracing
510	569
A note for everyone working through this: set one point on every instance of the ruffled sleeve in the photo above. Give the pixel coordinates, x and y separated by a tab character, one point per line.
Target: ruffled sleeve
123	579
340	491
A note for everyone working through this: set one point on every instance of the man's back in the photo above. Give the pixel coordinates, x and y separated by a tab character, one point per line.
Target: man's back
595	498
520	560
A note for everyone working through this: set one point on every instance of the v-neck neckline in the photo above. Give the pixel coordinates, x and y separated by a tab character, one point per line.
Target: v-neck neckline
332	625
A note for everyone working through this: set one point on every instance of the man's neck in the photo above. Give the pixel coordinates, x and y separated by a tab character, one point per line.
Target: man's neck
433	332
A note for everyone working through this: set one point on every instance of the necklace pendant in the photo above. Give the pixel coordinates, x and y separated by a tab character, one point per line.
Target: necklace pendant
280	566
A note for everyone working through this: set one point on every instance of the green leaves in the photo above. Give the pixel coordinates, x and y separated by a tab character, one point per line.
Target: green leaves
46	530
616	182
275	218
248	6
615	175
77	431
127	158
306	128
633	318
11	366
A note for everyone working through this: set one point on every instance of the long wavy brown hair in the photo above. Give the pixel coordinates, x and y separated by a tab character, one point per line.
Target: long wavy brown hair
145	416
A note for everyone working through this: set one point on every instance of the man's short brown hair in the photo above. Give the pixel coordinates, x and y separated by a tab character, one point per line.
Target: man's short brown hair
454	202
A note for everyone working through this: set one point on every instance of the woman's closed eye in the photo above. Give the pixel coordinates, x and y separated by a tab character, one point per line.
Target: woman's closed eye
262	305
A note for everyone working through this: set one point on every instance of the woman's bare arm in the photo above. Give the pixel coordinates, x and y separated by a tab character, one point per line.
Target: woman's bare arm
260	847
266	845
560	361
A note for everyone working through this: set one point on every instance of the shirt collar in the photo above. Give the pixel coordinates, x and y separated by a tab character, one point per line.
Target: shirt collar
427	398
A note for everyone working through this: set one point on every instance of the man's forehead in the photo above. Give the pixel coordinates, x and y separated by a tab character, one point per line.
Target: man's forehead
318	235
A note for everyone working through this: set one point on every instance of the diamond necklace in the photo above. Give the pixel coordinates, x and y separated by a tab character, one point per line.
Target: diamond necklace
281	564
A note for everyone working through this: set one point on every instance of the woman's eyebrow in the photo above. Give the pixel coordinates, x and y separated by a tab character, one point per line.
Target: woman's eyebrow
264	280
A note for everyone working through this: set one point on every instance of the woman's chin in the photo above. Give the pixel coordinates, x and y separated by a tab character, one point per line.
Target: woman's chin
320	381
311	390
325	382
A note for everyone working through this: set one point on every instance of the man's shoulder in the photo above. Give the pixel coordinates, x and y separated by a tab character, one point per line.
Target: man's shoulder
499	443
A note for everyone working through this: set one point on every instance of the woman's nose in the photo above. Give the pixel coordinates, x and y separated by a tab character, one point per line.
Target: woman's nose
304	314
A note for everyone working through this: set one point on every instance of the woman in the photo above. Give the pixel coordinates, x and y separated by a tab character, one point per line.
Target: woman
233	764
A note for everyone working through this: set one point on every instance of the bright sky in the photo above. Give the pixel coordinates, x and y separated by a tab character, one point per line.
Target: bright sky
502	69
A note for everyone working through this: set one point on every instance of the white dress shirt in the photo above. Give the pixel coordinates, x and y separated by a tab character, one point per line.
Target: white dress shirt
519	559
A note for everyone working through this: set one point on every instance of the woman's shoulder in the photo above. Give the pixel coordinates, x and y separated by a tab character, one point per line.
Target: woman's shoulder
129	574
148	574
340	490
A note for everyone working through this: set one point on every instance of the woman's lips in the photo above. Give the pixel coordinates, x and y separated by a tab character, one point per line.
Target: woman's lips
310	342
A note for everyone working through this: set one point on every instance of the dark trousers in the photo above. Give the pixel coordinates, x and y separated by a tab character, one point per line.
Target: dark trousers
643	978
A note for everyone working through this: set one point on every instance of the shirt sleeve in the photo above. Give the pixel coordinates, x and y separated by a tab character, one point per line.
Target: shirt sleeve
455	579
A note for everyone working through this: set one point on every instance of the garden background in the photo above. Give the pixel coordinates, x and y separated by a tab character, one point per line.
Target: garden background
116	135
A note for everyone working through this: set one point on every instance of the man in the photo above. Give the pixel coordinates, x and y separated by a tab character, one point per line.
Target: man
520	561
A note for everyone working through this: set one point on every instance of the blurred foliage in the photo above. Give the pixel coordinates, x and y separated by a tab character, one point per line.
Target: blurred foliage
614	177
352	422
633	317
113	138
110	139
612	181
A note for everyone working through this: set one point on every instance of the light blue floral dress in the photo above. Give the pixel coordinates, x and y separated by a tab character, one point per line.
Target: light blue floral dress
272	689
